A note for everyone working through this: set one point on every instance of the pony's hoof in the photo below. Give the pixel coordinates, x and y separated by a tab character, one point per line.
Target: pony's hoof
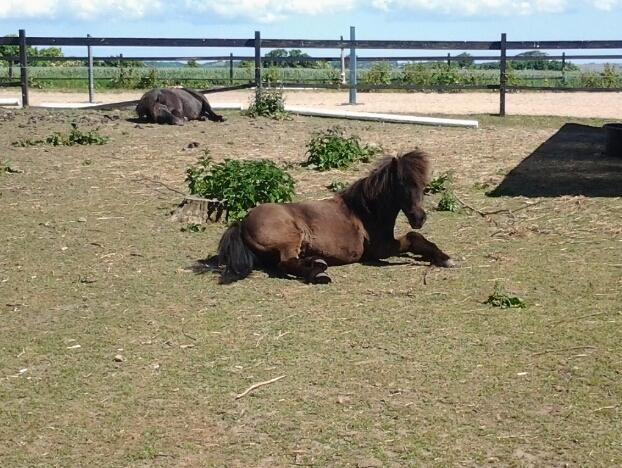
320	265
321	278
446	263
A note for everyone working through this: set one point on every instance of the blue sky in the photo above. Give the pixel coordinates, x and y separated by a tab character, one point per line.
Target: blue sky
315	19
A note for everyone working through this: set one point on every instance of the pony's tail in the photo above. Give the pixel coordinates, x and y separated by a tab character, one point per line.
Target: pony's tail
235	255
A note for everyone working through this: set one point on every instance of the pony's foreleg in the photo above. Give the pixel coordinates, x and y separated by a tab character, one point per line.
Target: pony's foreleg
415	243
311	269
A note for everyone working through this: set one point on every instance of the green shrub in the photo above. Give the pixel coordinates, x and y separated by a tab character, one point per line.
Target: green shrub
332	149
415	74
148	81
500	298
74	137
448	202
439	184
444	75
239	185
268	103
378	74
609	78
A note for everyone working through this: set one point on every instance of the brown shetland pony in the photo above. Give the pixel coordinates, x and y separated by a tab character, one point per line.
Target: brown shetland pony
303	239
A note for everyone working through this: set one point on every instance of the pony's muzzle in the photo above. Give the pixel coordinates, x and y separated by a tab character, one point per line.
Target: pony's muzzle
416	219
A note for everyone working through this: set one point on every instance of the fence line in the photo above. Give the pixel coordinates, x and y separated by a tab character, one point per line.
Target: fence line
257	43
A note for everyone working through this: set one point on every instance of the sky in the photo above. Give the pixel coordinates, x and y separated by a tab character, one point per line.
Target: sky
314	19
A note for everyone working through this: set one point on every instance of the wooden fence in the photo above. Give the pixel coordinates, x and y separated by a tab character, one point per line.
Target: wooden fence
258	43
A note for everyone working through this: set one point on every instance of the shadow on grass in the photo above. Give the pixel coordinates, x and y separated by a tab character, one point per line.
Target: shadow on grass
571	162
210	265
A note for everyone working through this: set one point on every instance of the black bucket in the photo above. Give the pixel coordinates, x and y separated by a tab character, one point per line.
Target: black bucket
613	132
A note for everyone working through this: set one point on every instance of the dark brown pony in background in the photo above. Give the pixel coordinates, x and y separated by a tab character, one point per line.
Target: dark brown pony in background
303	239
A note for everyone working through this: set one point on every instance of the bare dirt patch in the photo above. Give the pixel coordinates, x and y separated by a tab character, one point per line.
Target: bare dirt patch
579	104
396	364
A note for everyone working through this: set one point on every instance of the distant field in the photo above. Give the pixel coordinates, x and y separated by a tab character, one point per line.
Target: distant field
147	77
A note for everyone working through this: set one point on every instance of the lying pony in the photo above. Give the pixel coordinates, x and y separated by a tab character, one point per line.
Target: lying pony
175	105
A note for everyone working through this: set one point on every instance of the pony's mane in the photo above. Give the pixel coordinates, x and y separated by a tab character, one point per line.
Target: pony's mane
409	168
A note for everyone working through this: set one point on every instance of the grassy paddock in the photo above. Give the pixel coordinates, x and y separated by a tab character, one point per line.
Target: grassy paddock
390	365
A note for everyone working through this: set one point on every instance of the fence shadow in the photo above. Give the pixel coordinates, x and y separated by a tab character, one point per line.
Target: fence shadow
571	162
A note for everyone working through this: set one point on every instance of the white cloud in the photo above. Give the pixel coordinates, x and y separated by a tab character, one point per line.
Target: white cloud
25	9
276	10
475	7
268	10
79	9
607	5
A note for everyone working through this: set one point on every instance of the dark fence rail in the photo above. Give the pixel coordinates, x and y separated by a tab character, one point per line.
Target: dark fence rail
250	58
257	43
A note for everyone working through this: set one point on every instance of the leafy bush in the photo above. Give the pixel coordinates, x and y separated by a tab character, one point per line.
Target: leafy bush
74	137
239	185
448	202
378	74
415	74
332	149
609	77
268	103
439	184
500	298
444	75
148	81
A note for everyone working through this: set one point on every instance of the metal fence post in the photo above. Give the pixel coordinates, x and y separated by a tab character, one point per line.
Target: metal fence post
503	77
90	72
231	68
257	63
23	66
352	66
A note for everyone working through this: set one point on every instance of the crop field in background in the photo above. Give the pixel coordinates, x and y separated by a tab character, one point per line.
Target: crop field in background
117	350
425	77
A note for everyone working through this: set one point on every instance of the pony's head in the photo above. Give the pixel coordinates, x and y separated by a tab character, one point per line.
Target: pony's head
412	175
397	183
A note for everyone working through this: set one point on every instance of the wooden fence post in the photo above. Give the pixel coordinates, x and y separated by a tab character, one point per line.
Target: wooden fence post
503	77
89	51
564	68
342	75
352	67
23	66
231	68
257	63
10	70
449	59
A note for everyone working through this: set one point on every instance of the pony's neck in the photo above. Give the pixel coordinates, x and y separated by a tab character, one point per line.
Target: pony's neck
378	213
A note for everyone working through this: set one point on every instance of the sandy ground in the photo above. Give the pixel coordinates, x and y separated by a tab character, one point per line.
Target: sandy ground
579	104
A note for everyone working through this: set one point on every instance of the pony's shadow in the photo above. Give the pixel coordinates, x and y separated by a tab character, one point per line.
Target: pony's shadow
210	265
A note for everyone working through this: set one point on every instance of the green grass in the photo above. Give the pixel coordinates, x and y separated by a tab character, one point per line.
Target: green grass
399	363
